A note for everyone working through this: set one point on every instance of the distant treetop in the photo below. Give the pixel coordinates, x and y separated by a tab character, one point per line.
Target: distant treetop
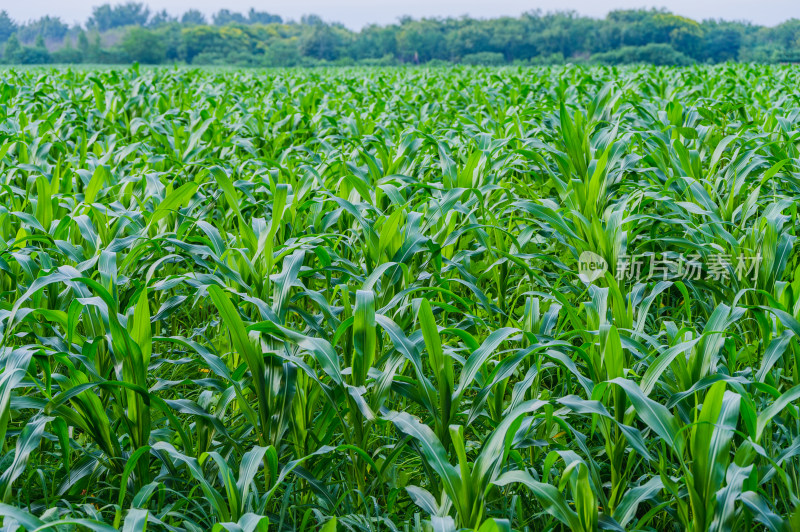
129	31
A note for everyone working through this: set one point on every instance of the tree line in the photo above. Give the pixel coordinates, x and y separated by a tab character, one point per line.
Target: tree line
130	32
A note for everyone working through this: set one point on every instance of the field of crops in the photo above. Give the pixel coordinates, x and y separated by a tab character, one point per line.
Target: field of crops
378	300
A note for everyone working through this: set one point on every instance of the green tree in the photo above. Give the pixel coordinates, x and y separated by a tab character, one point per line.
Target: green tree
83	44
7	26
162	18
261	38
106	16
685	35
324	41
375	42
512	37
12	52
144	46
225	16
67	53
15	53
50	28
262	17
193	16
722	41
470	37
419	41
282	53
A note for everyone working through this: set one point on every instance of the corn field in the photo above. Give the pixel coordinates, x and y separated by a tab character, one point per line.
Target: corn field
400	300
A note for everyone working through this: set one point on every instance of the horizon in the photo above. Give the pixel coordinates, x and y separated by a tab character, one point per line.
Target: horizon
357	14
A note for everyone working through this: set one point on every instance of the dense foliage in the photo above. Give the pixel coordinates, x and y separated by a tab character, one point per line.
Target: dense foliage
354	298
129	32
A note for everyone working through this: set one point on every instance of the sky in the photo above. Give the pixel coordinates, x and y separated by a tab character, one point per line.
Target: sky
357	13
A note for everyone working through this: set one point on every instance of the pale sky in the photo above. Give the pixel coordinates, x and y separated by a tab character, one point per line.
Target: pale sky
357	13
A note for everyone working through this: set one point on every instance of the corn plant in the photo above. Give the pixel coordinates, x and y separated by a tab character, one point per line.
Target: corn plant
357	299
